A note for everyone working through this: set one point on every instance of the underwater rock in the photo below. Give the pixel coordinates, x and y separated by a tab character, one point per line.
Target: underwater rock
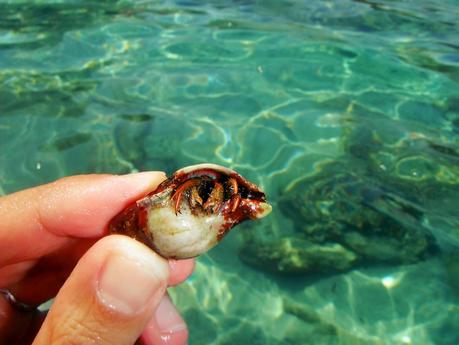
373	205
340	222
296	255
384	249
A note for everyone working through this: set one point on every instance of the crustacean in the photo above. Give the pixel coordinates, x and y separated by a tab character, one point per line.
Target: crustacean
191	211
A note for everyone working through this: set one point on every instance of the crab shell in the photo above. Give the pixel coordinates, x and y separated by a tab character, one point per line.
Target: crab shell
191	211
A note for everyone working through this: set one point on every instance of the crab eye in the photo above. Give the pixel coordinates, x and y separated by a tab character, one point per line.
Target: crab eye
254	195
247	193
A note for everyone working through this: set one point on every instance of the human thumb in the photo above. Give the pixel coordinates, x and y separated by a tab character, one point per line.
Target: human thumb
110	296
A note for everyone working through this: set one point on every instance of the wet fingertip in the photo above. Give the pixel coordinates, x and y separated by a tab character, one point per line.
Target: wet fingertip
168	318
180	270
177	264
166	327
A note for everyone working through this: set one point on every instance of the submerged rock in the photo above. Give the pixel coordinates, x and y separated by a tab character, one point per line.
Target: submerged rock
341	222
297	255
373	205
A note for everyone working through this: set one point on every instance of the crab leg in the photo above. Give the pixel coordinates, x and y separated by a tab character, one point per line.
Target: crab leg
233	184
194	198
235	201
235	197
215	198
177	197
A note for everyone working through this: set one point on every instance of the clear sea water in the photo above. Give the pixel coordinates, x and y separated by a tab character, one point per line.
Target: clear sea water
346	112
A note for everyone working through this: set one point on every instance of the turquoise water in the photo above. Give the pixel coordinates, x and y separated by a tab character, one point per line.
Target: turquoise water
346	112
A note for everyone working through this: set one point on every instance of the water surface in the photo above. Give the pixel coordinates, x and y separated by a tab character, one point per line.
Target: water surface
346	112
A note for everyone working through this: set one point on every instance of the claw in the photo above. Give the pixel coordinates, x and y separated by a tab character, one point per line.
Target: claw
177	197
215	198
194	198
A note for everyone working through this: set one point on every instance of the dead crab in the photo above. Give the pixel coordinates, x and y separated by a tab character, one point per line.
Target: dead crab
191	211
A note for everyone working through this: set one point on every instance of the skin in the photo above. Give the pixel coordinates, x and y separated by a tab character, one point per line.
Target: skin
53	243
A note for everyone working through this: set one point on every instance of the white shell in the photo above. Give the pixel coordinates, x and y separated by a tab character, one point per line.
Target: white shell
215	167
212	166
183	235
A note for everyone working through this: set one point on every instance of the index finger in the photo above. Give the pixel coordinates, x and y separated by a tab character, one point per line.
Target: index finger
40	220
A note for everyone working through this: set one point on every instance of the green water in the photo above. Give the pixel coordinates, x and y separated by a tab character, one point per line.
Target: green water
346	112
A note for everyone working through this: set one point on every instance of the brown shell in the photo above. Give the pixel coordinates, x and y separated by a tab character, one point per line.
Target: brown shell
209	197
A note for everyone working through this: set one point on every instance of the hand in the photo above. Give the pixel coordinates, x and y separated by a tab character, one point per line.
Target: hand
108	290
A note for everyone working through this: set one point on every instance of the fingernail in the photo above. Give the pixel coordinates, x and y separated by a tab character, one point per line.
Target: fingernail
167	317
127	284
